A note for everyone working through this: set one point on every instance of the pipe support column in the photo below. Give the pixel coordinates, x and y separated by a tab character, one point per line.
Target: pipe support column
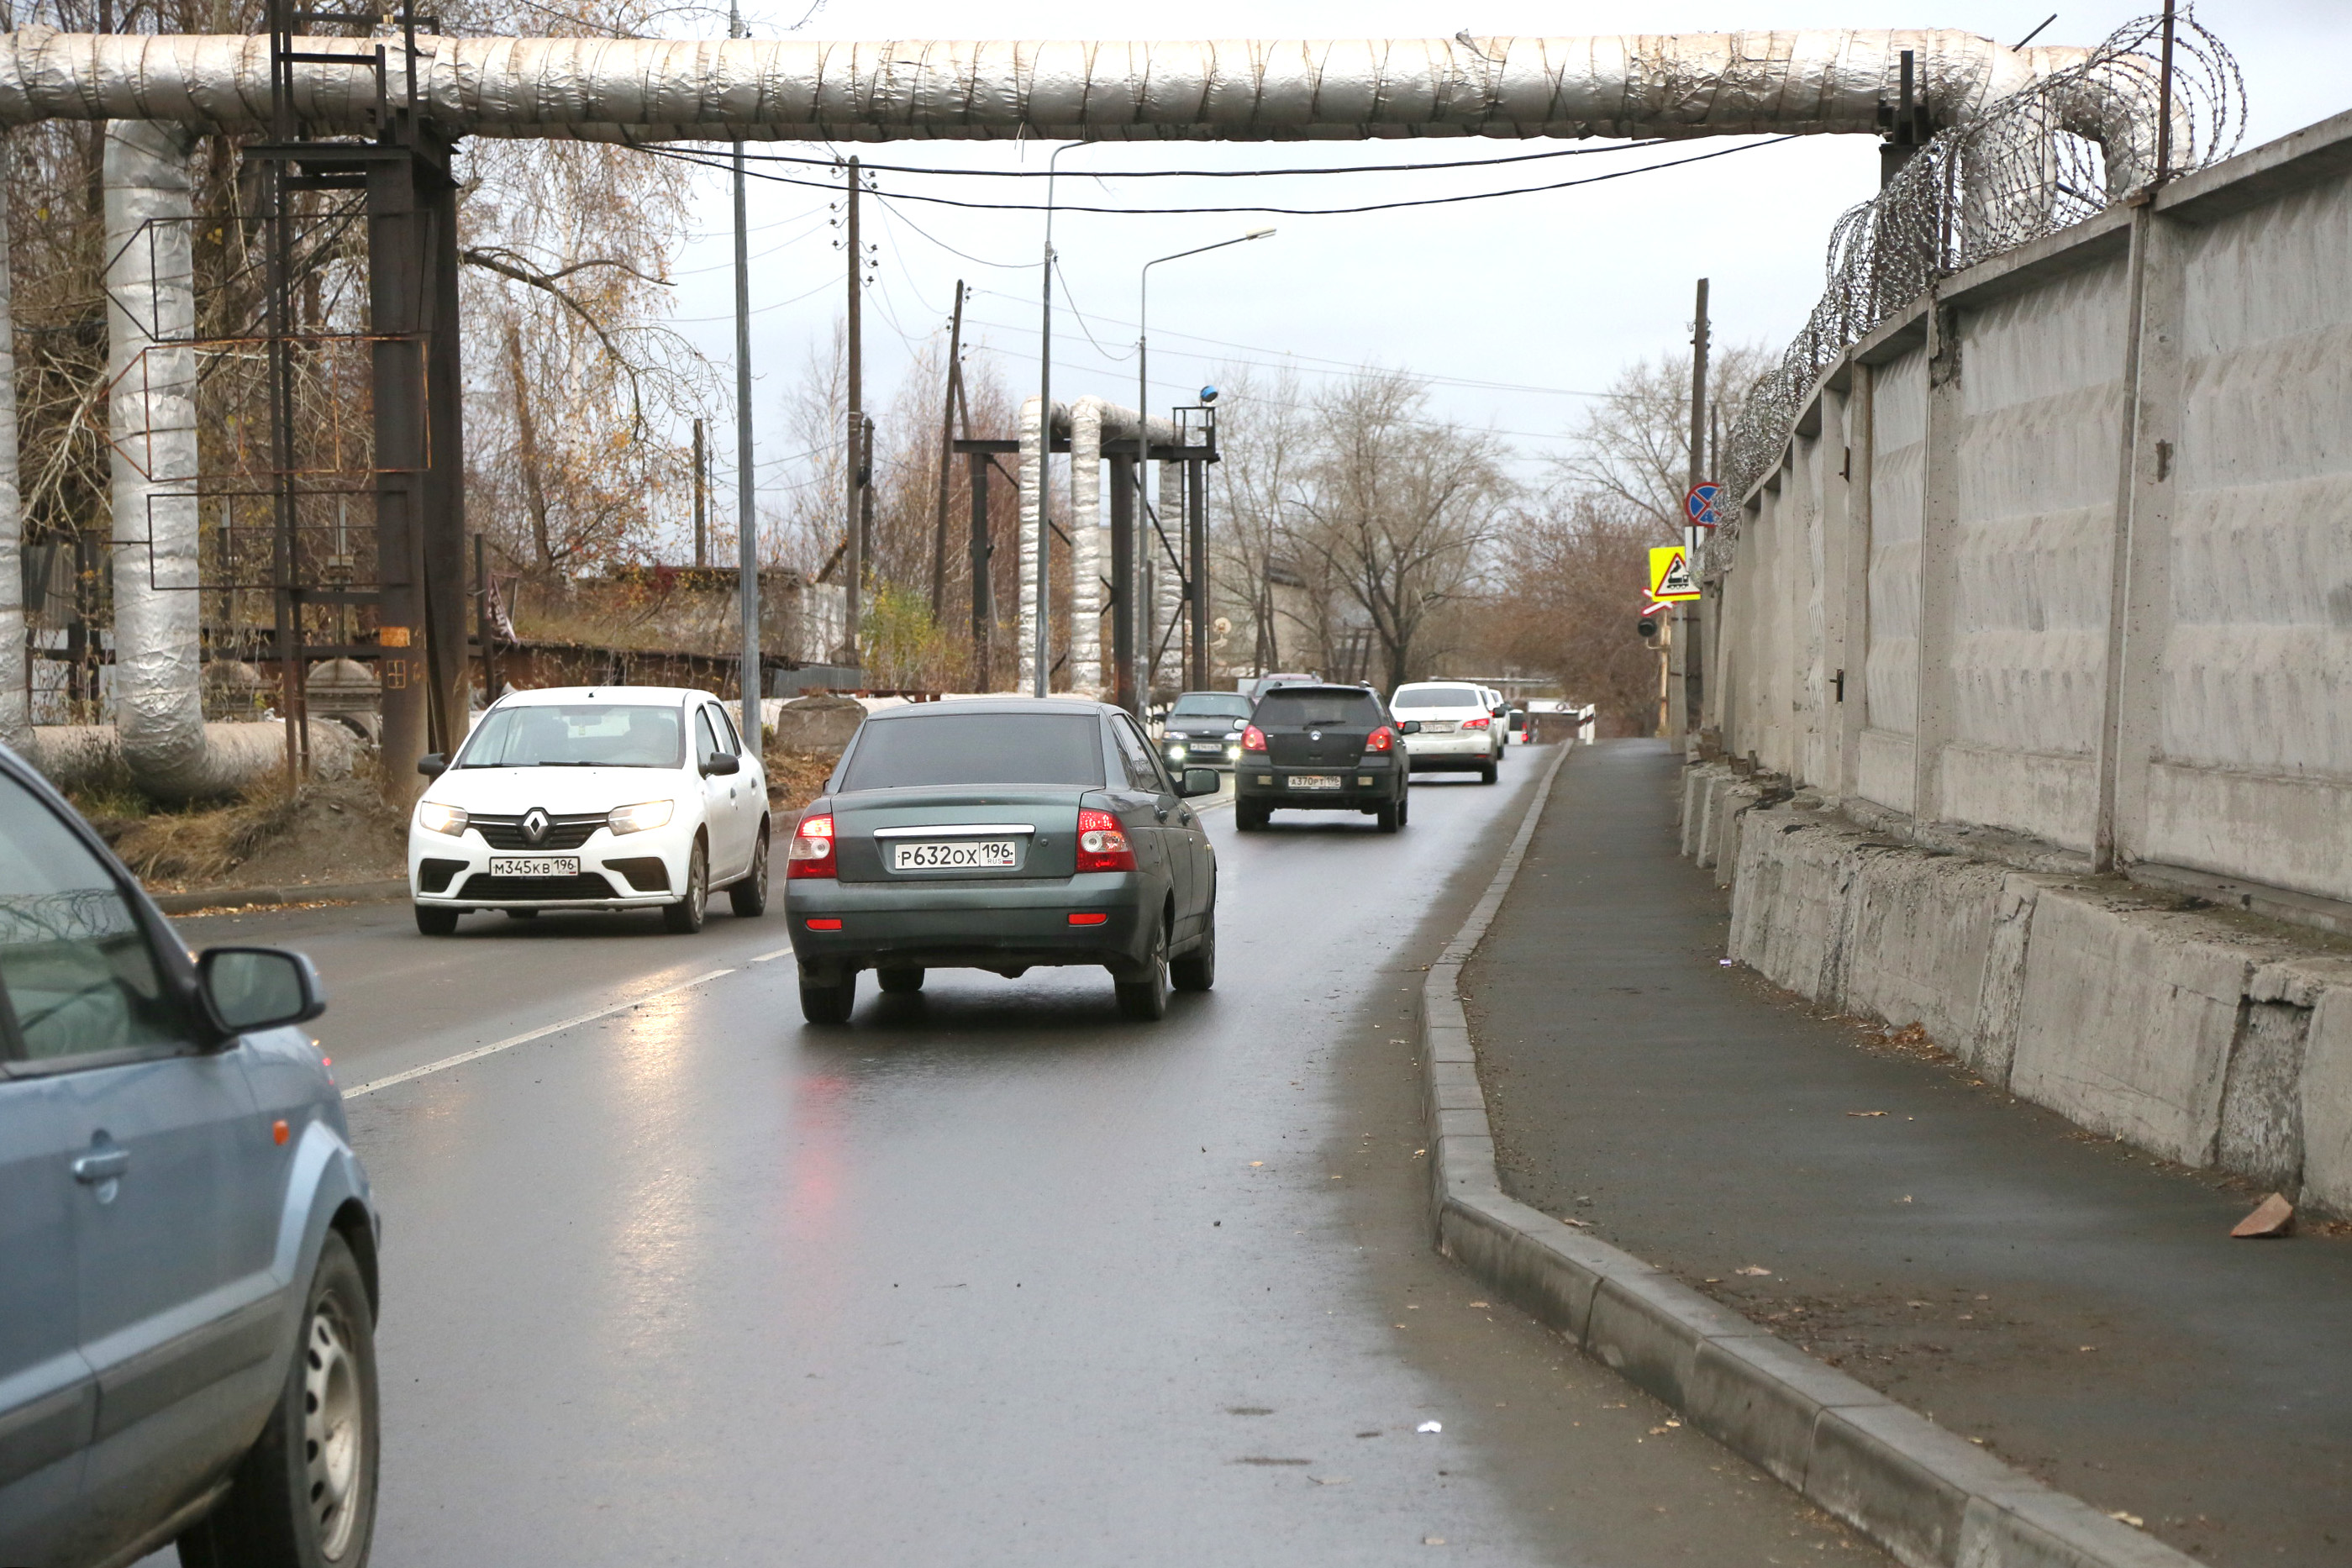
151	317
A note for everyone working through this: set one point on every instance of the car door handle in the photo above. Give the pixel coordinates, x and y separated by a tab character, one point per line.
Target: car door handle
103	1165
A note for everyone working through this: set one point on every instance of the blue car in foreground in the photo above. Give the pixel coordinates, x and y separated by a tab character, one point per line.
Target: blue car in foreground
187	1243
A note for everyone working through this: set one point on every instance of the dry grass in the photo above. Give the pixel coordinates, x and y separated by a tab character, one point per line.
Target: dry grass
195	845
796	778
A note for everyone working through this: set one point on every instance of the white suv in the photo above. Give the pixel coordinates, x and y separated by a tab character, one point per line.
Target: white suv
606	797
1458	730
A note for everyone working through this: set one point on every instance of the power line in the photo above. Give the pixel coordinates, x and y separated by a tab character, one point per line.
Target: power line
701	161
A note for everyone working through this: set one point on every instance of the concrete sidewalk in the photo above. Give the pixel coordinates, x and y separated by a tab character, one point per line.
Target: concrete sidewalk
2076	1306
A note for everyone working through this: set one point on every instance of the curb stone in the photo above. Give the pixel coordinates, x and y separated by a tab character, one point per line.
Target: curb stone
1925	1495
291	893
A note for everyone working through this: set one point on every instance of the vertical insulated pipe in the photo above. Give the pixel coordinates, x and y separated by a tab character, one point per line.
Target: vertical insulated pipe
16	709
1033	468
1086	546
150	317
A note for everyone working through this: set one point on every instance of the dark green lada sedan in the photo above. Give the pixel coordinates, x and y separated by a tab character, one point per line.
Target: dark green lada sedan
1002	834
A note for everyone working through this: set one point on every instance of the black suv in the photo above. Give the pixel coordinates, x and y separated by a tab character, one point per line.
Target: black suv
1322	748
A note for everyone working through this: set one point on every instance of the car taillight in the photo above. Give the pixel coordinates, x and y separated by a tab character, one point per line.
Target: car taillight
811	852
1475	723
1381	739
1252	739
1102	843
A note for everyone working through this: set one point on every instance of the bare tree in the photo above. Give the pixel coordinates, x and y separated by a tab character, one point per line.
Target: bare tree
1399	511
1572	568
1634	445
1263	436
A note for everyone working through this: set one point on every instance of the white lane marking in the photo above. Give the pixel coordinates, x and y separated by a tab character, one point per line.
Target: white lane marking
764	957
478	1052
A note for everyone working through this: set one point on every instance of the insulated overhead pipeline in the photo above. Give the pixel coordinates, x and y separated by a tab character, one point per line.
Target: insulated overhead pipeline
1632	85
15	707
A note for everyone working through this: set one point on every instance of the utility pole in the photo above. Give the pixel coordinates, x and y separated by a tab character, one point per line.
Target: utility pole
1683	710
747	533
701	499
853	517
946	460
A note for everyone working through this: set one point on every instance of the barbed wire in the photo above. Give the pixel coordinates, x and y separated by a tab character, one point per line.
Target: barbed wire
2044	159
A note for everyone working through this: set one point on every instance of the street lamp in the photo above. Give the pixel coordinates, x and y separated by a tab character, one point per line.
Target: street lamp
1040	685
1143	361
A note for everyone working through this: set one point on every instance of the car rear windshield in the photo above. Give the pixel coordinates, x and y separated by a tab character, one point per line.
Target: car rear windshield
1211	705
977	749
1290	708
1436	696
577	735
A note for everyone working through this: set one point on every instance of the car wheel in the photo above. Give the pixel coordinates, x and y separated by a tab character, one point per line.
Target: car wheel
900	981
1145	997
522	914
829	1004
1197	969
1387	818
304	1494
1486	774
1404	806
685	917
749	898
433	922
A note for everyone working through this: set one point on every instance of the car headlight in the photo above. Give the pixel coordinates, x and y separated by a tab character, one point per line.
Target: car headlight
1177	748
435	817
638	818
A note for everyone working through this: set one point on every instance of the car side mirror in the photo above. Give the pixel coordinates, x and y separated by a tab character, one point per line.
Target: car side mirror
1409	727
258	988
432	764
1198	781
721	763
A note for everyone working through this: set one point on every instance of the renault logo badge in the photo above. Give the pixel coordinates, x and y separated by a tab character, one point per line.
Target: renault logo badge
534	826
1314	735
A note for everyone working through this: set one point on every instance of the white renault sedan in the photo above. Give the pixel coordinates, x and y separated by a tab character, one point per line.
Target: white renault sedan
604	797
1456	729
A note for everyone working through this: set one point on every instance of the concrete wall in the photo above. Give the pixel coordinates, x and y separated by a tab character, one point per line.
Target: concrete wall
2077	531
2213	1044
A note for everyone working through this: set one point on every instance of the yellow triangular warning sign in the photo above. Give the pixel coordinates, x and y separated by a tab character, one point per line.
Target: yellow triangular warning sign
1670	573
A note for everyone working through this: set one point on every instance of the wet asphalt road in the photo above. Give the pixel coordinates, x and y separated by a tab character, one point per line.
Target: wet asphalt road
989	1277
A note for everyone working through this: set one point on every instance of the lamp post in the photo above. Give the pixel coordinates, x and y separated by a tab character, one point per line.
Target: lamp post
1042	683
1143	366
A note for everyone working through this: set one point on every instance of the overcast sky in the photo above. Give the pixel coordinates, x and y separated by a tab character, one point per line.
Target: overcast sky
1512	307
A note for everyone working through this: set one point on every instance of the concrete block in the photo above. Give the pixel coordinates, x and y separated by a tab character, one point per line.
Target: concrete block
1990	1045
1531	1260
2326	1104
1470	1122
1648	1328
1789	906
1737	801
1920	932
2126	1022
1711	794
1453	1086
1697	784
1761	1399
2035	1527
1900	1479
2261	1134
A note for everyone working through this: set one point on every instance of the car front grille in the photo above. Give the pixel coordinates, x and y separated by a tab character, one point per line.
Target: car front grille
563	832
494	890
